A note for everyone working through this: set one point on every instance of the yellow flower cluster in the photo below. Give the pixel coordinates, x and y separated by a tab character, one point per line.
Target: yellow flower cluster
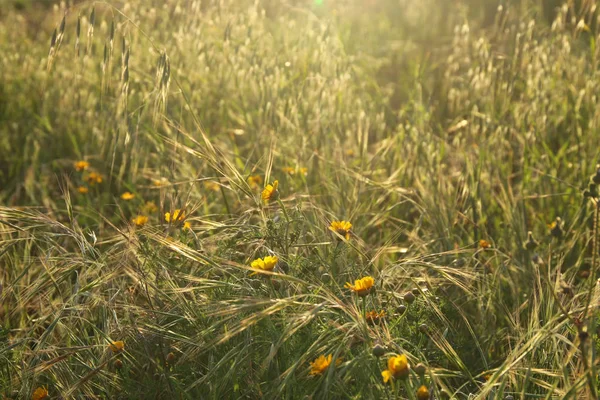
177	216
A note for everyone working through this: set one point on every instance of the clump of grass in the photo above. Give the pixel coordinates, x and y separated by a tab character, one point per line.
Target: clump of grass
433	208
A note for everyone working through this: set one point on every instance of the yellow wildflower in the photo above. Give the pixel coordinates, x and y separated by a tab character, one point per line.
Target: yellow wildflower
150	207
293	171
484	244
423	393
127	196
556	228
323	362
373	317
214	186
270	192
117	346
255	181
187	226
140	220
362	286
81	165
40	393
178	215
94	178
342	228
83	189
264	264
397	368
170	358
160	182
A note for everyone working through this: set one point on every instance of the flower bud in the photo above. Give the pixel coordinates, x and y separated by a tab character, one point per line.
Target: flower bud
531	243
556	228
596	177
170	359
420	369
378	350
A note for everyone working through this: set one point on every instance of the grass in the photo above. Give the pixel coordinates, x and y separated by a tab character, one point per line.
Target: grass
460	141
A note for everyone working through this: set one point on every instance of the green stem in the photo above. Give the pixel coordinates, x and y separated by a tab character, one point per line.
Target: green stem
287	227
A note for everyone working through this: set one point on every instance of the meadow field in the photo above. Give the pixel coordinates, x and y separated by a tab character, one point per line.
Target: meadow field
299	199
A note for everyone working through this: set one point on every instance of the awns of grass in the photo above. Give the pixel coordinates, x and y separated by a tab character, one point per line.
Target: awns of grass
448	153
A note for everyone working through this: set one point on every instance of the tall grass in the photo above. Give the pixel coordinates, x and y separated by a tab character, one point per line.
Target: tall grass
451	137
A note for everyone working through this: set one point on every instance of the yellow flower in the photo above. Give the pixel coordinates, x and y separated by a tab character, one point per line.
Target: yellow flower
397	368
293	171
264	264
170	358
342	228
140	220
81	165
318	366
209	185
423	393
40	393
83	189
178	215
373	317
270	192
160	182
187	226
117	346
94	178
127	196
484	244
150	207
362	286
255	181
